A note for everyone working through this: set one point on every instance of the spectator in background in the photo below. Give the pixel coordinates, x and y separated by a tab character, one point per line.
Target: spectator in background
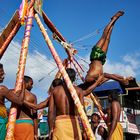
115	128
99	131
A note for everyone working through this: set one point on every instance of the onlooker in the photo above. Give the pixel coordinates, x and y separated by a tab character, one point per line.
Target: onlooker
5	93
99	131
115	128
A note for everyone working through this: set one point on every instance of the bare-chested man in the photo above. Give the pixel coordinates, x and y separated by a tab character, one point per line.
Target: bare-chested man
45	103
115	128
8	94
58	82
62	105
98	56
26	123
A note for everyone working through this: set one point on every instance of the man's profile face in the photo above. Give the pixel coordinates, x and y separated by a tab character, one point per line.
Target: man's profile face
30	85
1	75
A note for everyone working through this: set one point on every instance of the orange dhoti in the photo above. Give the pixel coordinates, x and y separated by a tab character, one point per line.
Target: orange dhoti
67	128
24	130
118	133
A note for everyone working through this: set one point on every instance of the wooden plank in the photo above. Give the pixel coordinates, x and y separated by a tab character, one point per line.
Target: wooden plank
52	27
8	29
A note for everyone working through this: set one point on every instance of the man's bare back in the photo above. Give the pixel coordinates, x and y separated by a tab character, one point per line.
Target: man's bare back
62	106
63	100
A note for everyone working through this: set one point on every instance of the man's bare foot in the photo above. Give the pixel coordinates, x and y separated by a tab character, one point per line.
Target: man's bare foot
117	15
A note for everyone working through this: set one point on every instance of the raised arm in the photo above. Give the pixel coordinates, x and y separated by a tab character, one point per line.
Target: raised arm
37	106
11	96
93	86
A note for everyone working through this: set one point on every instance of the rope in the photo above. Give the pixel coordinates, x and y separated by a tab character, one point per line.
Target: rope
82	59
88	36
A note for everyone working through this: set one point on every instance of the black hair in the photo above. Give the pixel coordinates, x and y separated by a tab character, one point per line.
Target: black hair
1	66
57	82
71	73
27	78
95	114
114	95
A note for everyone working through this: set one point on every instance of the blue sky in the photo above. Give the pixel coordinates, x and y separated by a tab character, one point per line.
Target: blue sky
76	20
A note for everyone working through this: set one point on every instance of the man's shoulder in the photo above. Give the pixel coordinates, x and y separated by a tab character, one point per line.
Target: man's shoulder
57	88
33	94
30	94
115	102
3	90
2	87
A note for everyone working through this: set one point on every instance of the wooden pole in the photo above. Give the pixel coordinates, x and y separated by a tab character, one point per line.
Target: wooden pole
51	26
20	75
72	90
8	33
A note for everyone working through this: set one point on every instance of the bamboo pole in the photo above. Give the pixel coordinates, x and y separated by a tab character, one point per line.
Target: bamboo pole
9	39
9	32
20	75
72	90
65	64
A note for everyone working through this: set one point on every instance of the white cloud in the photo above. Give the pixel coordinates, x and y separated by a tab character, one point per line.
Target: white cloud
132	60
119	68
37	66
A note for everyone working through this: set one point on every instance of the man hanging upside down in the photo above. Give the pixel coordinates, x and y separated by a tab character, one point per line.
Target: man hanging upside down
98	56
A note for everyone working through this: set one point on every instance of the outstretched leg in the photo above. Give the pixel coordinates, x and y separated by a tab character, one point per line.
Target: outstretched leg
107	41
104	40
98	54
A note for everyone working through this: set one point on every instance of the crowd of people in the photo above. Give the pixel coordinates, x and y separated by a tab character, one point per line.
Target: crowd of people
65	122
63	118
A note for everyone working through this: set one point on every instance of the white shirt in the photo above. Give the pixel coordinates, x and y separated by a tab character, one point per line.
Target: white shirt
97	136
